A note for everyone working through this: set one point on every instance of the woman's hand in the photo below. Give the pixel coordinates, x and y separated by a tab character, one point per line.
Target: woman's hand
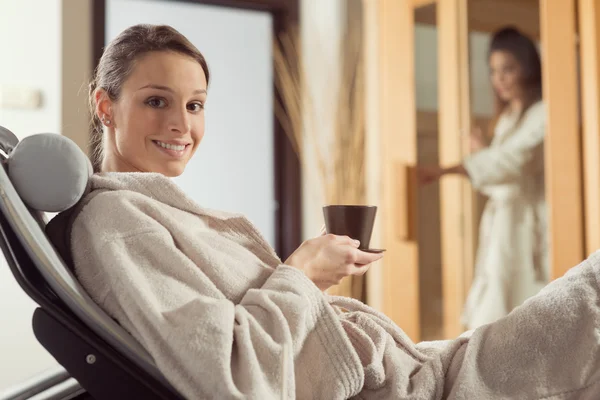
429	174
327	259
477	140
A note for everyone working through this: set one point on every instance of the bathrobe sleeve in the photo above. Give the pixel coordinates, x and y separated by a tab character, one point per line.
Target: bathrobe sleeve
281	341
521	152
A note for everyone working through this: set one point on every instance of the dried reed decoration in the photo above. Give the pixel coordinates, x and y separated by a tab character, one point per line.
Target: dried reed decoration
340	155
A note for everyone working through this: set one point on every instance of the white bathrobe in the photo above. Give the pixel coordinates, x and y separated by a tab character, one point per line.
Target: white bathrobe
223	318
512	258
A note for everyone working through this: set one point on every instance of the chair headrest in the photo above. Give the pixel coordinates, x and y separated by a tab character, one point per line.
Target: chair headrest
49	171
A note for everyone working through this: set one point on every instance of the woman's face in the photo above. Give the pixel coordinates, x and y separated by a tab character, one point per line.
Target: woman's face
506	75
157	123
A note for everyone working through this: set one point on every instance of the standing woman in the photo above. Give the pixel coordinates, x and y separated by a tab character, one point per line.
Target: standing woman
512	262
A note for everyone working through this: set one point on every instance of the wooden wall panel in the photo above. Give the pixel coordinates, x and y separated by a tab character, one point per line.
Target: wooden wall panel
76	71
397	100
563	147
589	33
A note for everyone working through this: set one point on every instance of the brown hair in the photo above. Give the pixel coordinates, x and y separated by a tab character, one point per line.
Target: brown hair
512	41
118	61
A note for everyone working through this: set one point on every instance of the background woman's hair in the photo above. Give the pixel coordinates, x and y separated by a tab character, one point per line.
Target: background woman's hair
117	62
511	40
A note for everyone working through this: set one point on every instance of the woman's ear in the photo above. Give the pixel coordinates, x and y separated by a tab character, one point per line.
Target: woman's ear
104	107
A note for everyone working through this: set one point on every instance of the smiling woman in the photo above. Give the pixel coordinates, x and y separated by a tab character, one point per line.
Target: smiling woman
148	100
197	286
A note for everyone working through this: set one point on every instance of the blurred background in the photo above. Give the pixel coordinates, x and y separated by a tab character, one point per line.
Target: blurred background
384	87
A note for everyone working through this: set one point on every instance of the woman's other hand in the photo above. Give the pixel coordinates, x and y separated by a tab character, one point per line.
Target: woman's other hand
477	140
327	259
323	231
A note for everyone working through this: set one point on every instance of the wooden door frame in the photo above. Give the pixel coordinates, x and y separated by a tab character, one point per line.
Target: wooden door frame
456	195
490	15
563	151
288	188
564	192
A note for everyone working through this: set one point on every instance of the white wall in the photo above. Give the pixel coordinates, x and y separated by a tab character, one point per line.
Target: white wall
30	41
233	169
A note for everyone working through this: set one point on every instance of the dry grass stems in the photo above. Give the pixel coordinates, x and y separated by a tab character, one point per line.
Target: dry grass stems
338	142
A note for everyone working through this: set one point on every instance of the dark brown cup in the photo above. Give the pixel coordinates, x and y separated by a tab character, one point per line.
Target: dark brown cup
350	220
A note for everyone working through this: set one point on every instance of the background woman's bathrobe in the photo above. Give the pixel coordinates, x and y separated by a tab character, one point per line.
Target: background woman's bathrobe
512	257
224	319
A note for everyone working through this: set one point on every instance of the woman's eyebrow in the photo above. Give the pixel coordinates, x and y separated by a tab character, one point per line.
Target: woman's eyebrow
168	89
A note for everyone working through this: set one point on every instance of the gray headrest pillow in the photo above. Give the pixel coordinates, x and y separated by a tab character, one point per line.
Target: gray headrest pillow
49	171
